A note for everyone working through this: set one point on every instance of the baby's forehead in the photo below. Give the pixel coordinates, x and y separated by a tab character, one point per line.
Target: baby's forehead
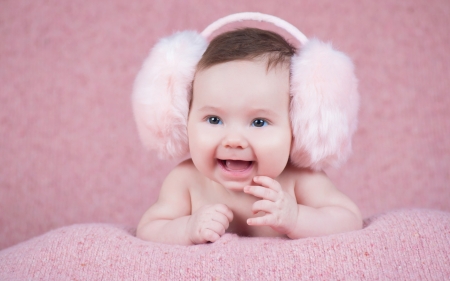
258	68
235	66
249	82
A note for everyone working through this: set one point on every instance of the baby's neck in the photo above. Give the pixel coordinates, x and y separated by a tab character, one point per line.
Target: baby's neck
237	193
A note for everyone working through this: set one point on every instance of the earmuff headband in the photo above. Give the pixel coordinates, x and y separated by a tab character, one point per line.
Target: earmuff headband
255	17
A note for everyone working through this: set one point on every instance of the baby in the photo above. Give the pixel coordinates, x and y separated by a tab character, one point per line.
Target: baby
240	178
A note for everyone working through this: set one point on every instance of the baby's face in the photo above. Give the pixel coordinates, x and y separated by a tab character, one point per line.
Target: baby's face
238	123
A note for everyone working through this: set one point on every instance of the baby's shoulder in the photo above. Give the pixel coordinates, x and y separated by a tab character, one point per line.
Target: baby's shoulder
304	177
184	173
187	166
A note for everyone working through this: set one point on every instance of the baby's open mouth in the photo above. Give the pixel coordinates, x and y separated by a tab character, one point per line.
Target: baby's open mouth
235	165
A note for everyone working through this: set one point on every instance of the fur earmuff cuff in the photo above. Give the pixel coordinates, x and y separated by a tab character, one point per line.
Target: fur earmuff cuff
324	106
161	93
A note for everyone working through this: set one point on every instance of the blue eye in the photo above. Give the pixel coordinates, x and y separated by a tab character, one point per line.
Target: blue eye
259	123
214	120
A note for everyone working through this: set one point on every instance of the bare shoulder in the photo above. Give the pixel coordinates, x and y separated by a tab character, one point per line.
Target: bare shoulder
315	189
303	178
179	179
187	166
174	197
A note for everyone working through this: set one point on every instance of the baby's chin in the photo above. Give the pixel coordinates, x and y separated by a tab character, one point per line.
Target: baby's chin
236	186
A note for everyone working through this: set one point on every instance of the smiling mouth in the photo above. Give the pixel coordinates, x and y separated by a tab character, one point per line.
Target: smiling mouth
235	165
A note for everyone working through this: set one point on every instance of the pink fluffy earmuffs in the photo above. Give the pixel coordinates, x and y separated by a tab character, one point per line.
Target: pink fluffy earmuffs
324	96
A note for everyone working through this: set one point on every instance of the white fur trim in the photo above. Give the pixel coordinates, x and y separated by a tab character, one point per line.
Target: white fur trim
324	106
161	93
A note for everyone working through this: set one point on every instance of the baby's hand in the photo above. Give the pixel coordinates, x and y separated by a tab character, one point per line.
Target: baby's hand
209	223
280	207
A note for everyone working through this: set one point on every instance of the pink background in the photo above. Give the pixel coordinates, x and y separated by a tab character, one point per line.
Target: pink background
69	149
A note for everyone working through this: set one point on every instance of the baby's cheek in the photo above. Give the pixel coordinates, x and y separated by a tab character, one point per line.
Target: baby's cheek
198	138
202	152
272	161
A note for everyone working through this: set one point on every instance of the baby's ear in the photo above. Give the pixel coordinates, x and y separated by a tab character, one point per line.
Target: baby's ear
161	93
324	106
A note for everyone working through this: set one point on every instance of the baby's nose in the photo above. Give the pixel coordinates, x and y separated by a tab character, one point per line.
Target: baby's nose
234	141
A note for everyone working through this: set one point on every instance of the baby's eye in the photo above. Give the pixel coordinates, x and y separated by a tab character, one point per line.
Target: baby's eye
214	120
259	123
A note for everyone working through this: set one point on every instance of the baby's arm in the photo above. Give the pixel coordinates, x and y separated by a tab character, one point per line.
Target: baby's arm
169	220
324	209
317	209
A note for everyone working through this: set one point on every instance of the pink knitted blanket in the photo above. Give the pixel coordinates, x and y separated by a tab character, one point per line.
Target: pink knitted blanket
401	245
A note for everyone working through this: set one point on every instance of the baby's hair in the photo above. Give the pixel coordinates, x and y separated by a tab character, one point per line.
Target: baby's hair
247	44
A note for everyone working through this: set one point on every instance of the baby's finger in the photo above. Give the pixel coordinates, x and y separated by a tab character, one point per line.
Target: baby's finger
222	219
216	227
261	192
267	182
209	235
262	206
268	219
223	209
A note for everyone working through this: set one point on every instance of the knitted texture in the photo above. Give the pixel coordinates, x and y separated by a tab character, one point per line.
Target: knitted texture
400	245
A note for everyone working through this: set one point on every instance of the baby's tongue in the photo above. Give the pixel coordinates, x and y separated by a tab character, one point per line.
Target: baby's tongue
237	165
